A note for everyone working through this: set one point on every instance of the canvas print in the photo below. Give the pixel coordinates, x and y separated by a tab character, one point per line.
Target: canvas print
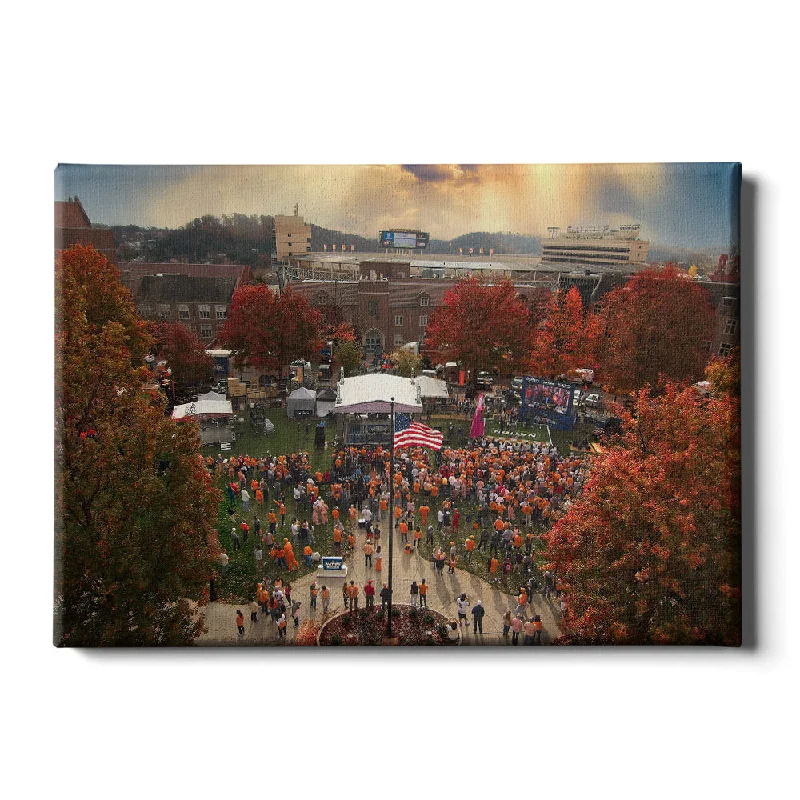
397	405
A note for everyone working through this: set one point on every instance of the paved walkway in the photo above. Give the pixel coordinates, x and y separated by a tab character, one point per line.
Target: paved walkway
220	618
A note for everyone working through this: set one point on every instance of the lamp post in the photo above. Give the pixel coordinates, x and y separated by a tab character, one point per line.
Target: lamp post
391	526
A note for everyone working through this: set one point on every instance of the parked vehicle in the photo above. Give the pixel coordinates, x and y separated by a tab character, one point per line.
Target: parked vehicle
593	401
485	379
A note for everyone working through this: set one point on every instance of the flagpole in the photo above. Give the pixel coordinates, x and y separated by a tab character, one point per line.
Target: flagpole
391	526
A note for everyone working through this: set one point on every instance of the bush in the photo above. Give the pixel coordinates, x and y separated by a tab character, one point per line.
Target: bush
413	614
380	614
427	619
443	631
395	612
336	639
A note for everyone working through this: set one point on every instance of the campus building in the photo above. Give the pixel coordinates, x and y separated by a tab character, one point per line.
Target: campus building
292	236
72	226
606	248
196	295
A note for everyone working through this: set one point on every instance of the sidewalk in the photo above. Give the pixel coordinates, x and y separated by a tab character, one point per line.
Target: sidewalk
220	618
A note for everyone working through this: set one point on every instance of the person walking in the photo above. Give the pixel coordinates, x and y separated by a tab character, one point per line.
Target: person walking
369	594
223	562
414	593
352	593
326	599
281	626
423	594
537	629
378	559
506	622
296	612
368	551
463	607
478	612
240	621
245	501
313	592
235	539
516	628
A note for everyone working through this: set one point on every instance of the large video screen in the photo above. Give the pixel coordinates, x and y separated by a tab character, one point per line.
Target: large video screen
547	400
410	239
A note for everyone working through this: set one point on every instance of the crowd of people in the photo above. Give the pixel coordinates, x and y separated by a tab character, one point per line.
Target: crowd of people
487	500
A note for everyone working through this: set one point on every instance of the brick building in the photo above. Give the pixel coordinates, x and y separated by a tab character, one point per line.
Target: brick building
72	226
388	306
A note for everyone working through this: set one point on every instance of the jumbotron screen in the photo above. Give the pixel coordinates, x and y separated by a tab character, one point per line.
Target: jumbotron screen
413	240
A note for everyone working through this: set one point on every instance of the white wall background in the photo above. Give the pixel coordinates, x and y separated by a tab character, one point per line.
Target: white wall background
197	83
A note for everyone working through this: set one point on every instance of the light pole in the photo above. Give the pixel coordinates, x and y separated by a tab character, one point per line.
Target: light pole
391	526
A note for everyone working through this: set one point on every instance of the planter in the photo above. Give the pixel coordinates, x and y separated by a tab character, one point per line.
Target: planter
362	630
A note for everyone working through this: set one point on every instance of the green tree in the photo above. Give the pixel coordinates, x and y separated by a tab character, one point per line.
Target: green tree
406	362
348	355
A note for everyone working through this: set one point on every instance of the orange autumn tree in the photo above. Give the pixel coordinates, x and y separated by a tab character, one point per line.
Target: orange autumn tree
134	542
649	553
658	324
566	339
270	330
482	326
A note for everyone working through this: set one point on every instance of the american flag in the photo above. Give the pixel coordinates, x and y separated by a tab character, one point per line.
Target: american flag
408	433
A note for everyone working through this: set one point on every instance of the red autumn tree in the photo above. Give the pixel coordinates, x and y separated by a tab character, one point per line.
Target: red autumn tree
658	324
566	339
482	326
135	547
270	330
649	553
185	354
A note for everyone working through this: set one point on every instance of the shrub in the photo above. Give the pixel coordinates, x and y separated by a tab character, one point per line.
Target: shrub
427	619
413	614
443	631
336	639
395	612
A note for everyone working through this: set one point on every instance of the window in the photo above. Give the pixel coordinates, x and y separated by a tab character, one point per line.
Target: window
398	321
728	302
222	312
423	320
206	333
204	312
183	312
289	235
707	347
398	338
730	326
424	300
725	350
163	310
372	308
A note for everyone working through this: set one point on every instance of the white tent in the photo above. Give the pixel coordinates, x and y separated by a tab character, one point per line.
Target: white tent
301	400
205	408
432	388
372	394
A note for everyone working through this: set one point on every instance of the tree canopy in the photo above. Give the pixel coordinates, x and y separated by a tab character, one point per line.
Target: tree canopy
649	553
134	543
483	326
566	339
270	330
185	354
659	323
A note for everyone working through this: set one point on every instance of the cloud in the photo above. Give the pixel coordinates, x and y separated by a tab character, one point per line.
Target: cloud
429	173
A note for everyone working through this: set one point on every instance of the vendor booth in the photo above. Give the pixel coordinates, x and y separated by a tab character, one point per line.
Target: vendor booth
214	413
301	403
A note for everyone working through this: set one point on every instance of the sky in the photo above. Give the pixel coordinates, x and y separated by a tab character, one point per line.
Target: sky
678	205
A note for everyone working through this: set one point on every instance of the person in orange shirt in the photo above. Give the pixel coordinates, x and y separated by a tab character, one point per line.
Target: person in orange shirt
378	559
335	514
423	594
404	530
351	540
434	490
337	540
493	565
423	513
417	536
352	594
307	553
291	561
470	547
240	621
326	599
273	521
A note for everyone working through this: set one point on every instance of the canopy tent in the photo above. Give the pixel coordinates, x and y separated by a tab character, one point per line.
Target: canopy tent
301	402
373	393
432	388
207	406
325	402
